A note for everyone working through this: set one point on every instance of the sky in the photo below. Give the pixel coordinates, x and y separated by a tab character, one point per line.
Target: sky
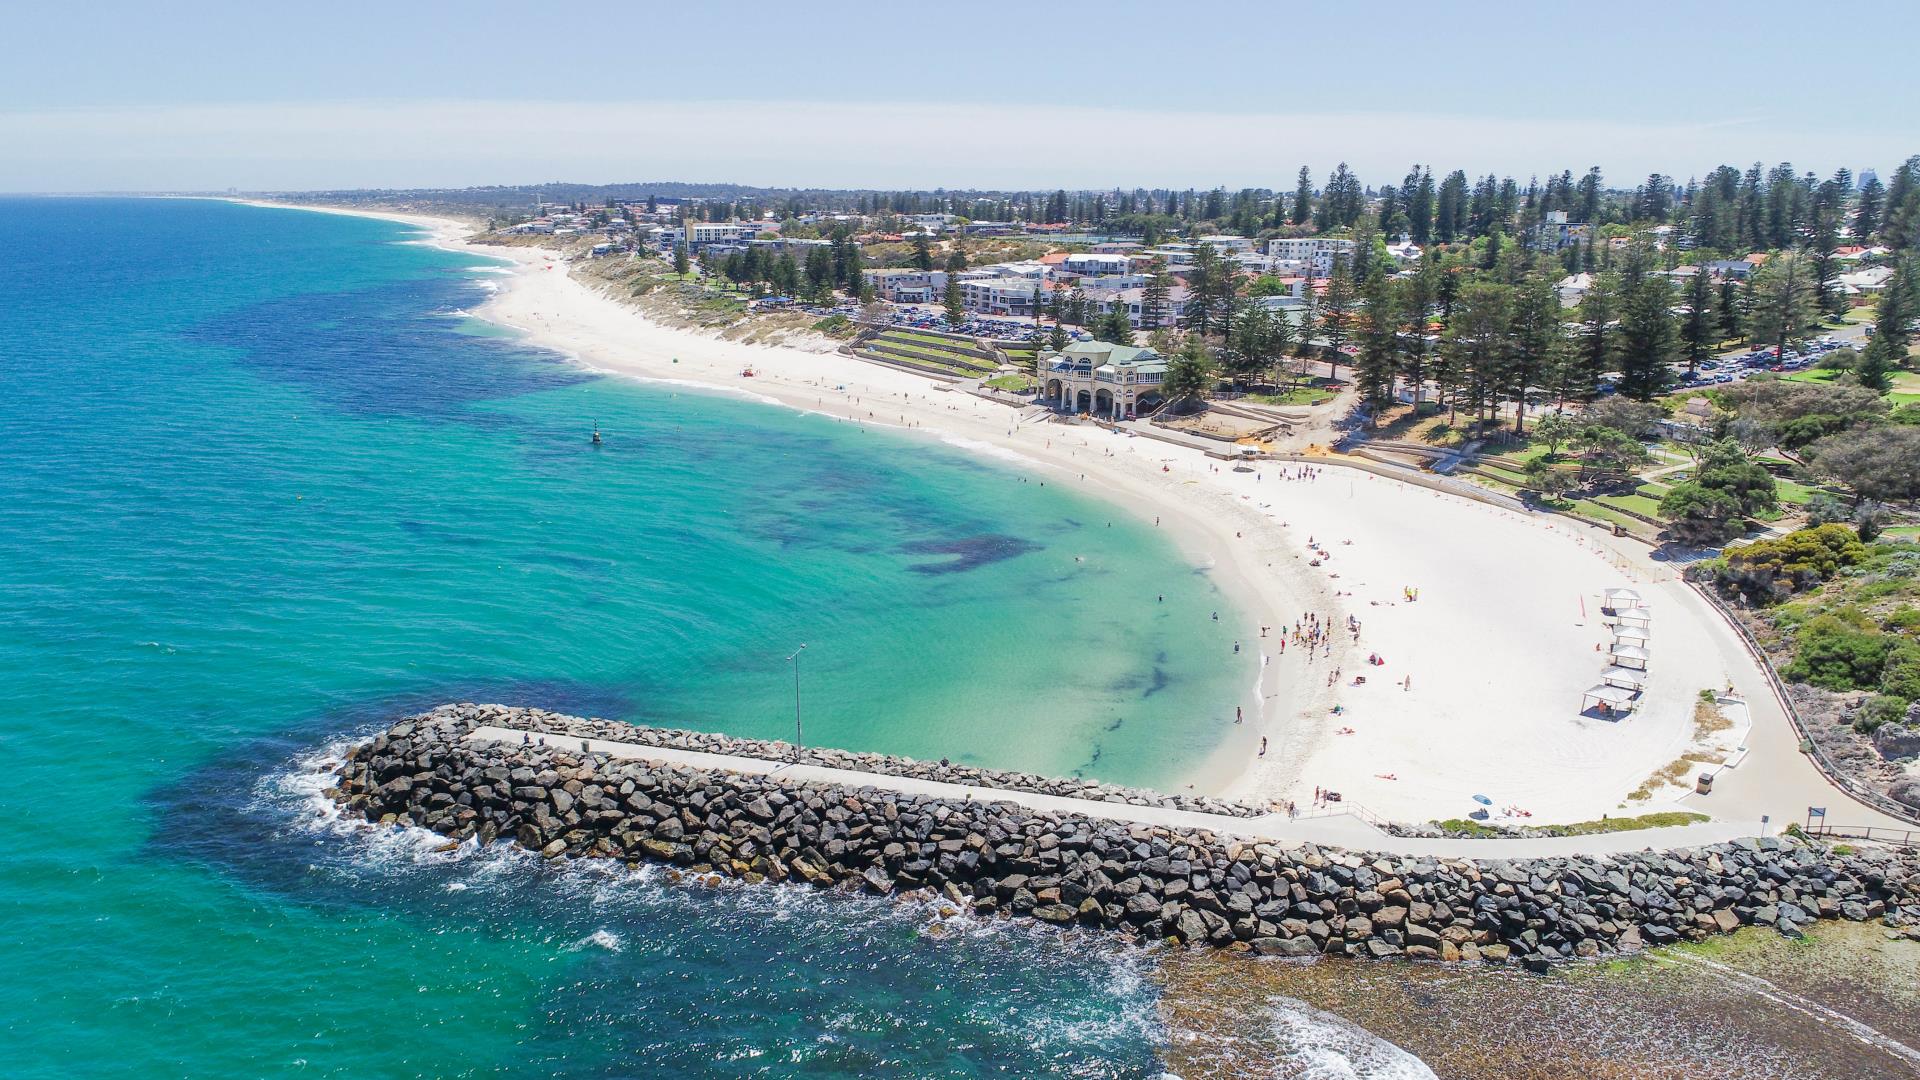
278	97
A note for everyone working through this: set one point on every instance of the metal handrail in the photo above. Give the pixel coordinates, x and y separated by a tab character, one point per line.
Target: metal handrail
1898	837
1820	760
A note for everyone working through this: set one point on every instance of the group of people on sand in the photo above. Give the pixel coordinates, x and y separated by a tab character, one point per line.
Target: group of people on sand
1311	632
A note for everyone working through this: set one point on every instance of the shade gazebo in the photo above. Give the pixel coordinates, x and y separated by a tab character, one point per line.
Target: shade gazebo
1625	678
1614	601
1629	656
1639	617
1608	699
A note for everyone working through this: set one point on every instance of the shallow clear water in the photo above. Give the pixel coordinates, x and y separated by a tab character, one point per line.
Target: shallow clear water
262	488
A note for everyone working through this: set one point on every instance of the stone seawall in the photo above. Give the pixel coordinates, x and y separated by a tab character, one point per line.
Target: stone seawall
1149	882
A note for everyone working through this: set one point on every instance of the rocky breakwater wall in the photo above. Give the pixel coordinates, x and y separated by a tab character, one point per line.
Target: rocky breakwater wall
1153	883
711	742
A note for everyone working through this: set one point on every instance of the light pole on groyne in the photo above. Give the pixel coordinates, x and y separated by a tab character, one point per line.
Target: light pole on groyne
796	698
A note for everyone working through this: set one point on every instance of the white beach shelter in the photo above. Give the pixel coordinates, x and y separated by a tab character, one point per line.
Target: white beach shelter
1629	635
1629	656
1614	698
1635	617
1625	678
1620	600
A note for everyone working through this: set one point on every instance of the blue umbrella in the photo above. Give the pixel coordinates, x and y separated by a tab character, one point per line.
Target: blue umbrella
1483	800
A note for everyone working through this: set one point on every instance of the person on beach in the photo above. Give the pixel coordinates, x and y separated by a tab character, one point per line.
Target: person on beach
1263	746
1236	714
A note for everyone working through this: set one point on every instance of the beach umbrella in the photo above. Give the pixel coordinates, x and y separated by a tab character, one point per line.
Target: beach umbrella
1483	800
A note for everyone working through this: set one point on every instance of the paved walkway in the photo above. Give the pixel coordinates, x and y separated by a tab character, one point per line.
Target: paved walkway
1338	830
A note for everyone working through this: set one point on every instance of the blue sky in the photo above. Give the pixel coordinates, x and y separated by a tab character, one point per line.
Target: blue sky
148	96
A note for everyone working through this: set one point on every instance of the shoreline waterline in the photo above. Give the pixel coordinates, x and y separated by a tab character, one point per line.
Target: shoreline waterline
551	310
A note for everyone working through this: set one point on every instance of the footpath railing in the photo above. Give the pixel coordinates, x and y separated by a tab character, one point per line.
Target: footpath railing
1347	809
1896	837
1807	742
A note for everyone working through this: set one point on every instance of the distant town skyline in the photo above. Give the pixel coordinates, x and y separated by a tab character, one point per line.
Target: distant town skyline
213	96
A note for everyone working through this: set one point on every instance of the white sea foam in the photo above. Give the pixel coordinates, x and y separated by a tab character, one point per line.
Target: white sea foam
600	939
1003	453
1321	1046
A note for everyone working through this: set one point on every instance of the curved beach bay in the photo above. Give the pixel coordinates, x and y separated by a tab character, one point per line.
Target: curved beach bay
262	487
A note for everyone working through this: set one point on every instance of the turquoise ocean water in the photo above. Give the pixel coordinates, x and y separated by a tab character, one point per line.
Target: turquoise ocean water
263	487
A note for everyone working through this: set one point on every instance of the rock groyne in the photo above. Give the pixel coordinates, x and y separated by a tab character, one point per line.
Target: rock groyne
882	764
995	857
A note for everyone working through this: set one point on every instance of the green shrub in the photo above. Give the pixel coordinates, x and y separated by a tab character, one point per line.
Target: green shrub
835	326
1900	672
1831	654
1769	569
1881	709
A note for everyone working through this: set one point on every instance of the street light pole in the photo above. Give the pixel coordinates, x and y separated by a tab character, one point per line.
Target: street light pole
796	699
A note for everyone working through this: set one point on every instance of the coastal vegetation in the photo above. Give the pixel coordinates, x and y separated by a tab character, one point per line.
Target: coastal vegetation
1664	820
1838	614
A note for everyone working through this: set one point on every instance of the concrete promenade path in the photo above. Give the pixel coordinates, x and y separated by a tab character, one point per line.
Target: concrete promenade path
1337	830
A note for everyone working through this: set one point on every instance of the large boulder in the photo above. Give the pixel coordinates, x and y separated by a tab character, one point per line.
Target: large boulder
1896	741
1907	793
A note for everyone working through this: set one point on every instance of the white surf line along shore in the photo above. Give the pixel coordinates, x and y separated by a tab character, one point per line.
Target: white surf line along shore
1338	830
1480	687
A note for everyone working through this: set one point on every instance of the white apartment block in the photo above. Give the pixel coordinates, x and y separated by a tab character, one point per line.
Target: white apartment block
1315	253
908	286
999	295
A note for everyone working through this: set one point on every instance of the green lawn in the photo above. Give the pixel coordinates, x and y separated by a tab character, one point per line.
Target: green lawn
927	339
1639	504
1012	384
1905	384
1518	456
1813	375
1598	512
924	346
1501	472
1793	492
970	365
1299	395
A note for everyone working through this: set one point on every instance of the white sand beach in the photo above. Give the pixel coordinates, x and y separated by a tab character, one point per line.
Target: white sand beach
1504	637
